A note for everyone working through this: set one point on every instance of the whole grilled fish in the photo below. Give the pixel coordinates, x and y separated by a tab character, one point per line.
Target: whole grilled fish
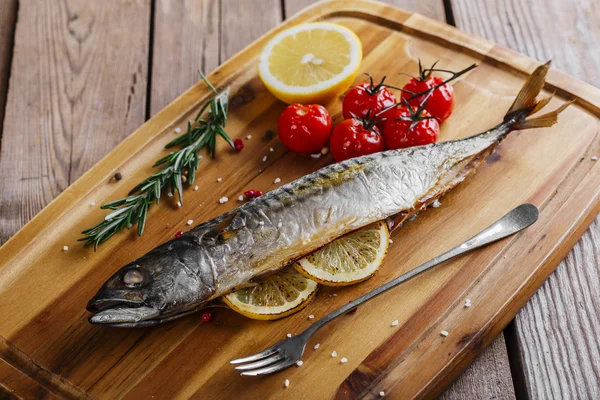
260	237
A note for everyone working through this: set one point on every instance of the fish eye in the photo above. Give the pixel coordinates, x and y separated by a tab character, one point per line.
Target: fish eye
133	278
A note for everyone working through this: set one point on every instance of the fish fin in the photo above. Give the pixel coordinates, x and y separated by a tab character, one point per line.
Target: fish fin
225	236
543	121
225	223
532	87
541	104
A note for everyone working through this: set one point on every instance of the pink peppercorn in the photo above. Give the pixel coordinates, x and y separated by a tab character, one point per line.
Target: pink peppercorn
206	317
238	144
179	233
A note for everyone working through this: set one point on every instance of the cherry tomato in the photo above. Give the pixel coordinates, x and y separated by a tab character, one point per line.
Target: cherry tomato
440	103
364	97
304	128
351	138
397	132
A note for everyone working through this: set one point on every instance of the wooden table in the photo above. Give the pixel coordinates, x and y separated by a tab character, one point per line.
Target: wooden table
76	77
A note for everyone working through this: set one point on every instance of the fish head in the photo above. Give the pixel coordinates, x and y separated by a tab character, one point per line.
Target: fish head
169	282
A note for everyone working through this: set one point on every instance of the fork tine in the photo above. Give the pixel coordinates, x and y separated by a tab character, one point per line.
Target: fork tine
270	369
254	357
261	363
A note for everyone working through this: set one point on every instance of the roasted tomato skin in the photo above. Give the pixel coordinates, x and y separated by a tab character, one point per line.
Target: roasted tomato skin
440	103
397	132
351	139
364	97
304	129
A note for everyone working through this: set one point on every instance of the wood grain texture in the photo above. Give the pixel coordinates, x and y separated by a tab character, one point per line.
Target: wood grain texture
412	360
187	39
8	17
243	21
430	8
69	100
557	331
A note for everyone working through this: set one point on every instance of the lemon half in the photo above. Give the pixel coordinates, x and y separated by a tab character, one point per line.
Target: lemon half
278	296
349	259
310	63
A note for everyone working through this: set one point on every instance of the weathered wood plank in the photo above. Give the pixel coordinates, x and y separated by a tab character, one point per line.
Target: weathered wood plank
557	331
430	8
77	88
243	21
186	39
8	17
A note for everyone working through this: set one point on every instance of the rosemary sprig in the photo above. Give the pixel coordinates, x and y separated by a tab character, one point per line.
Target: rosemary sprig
133	209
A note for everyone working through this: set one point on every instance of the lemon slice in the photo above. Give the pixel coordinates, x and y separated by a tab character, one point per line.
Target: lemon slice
310	63
278	296
349	259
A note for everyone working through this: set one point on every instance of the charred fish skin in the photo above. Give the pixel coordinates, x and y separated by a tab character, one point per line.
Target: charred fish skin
264	235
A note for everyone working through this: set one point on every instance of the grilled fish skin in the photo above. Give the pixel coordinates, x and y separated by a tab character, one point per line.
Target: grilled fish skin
262	236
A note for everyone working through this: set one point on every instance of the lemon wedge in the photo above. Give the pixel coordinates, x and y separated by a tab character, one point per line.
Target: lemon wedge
349	259
278	296
310	63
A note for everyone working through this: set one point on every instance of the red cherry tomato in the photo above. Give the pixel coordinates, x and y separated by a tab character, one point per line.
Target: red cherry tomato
397	133
304	128
364	97
440	103
351	138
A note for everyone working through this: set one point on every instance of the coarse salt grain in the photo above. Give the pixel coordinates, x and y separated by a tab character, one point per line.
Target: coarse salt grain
219	179
196	188
279	225
178	204
177	130
190	221
317	346
277	180
223	200
286	383
93	203
316	155
468	303
334	354
343	360
65	248
264	158
199	157
436	204
444	333
241	198
395	322
390	241
271	149
381	394
311	316
594	158
334	295
299	363
289	335
261	223
170	194
249	137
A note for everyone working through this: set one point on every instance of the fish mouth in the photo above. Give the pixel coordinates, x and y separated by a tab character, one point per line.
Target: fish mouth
116	309
130	313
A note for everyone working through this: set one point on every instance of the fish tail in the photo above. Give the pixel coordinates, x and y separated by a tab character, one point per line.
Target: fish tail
526	103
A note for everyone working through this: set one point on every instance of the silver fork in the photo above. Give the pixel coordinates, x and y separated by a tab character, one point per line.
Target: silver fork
287	352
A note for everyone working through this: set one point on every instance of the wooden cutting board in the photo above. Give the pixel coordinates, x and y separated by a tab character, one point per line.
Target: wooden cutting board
44	334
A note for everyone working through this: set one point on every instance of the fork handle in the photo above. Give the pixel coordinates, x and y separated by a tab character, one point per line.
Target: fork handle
516	220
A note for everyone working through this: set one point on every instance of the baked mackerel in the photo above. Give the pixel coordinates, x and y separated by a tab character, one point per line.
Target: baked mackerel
262	236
